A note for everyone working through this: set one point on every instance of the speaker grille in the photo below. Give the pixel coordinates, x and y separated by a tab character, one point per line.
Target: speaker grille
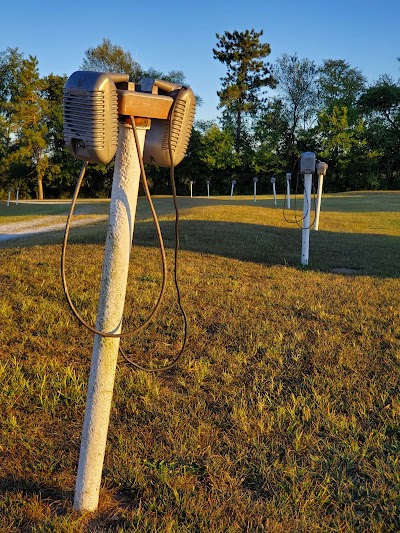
85	119
177	122
91	116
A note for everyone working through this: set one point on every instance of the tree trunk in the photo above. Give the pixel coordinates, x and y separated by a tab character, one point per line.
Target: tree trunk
238	130
40	188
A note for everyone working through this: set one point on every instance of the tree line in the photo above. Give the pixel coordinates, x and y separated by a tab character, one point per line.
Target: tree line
270	114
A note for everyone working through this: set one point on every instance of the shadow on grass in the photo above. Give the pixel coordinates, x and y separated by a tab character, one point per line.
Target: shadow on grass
361	202
363	254
30	488
356	254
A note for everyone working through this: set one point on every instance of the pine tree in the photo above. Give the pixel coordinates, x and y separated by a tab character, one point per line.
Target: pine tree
248	74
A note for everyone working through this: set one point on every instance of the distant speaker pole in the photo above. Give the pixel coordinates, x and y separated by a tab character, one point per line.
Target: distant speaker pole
9	197
288	179
208	187
109	318
232	187
307	168
191	189
16	197
255	180
321	171
273	180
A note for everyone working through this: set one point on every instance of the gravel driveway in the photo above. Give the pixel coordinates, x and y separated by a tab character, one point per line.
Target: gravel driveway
16	230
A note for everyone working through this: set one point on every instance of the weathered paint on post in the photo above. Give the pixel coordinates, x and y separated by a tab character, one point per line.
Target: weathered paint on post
319	196
109	318
305	247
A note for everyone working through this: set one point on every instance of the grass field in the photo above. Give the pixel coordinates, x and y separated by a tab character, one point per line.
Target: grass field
283	415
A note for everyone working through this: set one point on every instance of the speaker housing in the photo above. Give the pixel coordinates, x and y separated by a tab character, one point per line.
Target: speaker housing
91	115
307	163
156	148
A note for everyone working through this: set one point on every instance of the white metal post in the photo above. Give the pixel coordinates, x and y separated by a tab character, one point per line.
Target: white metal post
16	197
305	246
9	197
109	318
288	178
255	180
319	196
273	189
232	187
208	187
191	189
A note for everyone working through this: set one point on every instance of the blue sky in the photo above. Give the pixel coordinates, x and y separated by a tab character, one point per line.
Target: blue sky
181	35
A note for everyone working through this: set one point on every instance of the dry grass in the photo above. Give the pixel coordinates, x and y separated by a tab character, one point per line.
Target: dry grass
283	415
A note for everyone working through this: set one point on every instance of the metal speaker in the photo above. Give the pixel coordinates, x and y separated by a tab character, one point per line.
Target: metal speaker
307	163
322	168
156	148
91	115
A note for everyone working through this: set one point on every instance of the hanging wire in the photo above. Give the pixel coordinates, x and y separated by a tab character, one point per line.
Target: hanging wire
308	200
64	279
294	221
298	221
93	329
128	357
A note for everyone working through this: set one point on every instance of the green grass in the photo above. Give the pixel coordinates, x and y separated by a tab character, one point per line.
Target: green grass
283	415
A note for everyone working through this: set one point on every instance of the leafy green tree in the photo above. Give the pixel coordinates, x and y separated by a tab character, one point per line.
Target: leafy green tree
63	168
248	74
273	154
339	141
339	84
108	57
383	100
218	156
297	89
380	104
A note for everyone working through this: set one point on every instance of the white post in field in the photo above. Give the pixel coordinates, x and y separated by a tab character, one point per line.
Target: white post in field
321	171
109	318
255	180
305	245
307	168
16	197
9	197
273	180
232	187
208	187
288	179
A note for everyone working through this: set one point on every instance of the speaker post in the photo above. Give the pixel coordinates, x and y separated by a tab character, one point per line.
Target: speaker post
321	171
97	125
109	318
307	168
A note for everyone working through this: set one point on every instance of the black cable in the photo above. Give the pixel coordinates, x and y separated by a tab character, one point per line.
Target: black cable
162	251
295	220
63	274
128	357
308	200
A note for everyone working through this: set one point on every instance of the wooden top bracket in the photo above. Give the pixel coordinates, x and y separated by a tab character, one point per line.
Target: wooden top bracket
140	104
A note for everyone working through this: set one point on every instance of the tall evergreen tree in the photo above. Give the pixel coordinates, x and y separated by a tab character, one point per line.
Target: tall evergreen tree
23	109
247	74
10	64
31	129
